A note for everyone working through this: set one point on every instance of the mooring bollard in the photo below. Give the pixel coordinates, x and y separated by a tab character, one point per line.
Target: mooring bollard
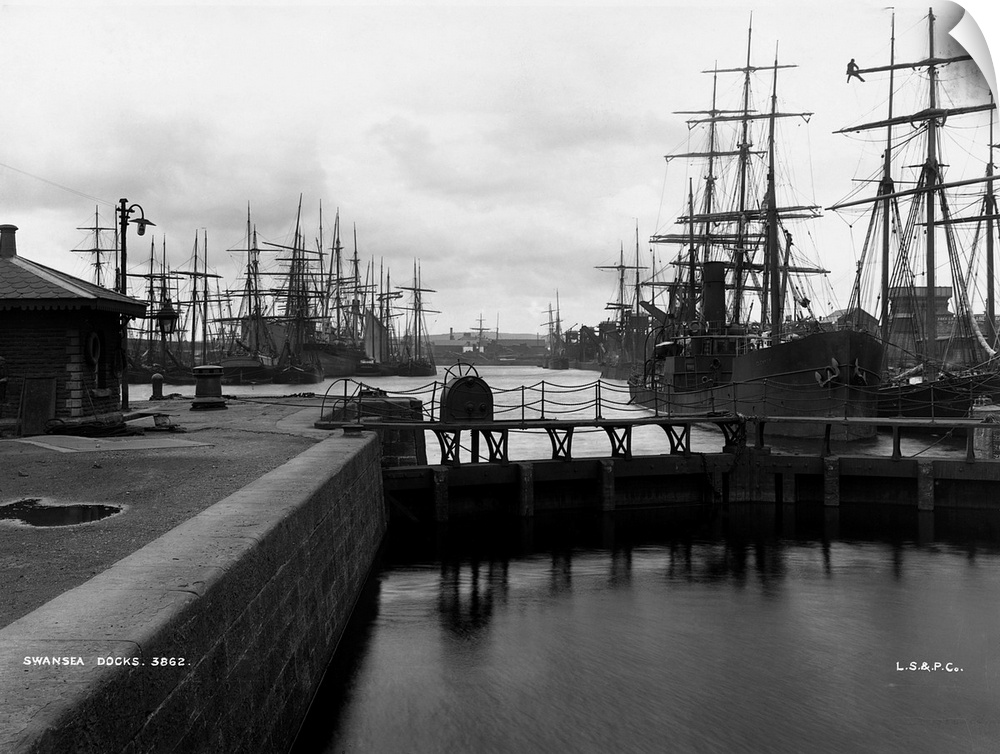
157	383
208	388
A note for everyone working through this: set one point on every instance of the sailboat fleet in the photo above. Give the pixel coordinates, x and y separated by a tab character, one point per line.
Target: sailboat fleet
737	331
297	315
732	329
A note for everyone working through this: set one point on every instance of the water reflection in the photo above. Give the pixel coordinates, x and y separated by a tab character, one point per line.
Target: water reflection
36	512
757	628
467	594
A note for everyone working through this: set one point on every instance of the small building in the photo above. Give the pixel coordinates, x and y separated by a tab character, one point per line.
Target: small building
61	355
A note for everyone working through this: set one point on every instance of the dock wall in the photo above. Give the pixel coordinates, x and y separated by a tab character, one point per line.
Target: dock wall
753	475
213	637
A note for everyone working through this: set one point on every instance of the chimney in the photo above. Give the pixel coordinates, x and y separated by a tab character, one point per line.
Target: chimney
8	244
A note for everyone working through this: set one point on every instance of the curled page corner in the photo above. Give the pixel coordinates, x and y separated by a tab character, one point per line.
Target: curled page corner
969	34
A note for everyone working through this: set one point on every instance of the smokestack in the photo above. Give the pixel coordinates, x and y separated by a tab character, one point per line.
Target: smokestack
8	244
714	293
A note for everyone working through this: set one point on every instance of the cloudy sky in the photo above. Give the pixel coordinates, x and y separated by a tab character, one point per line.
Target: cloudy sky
510	149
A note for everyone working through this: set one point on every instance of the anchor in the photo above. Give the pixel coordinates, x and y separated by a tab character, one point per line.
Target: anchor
829	374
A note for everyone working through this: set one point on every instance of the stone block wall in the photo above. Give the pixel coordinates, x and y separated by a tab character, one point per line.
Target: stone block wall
51	343
223	626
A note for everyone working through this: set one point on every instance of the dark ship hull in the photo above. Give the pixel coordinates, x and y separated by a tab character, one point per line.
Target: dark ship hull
245	370
415	368
308	374
556	362
336	360
952	396
371	368
824	374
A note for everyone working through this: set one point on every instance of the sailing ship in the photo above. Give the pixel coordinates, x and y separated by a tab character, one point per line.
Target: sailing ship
250	355
738	252
203	344
296	365
378	334
154	347
338	346
416	356
939	358
100	249
556	357
624	336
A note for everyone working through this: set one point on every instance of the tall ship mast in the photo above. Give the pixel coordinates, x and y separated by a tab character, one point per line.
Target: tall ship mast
99	249
344	314
249	352
939	358
625	342
739	333
198	304
296	363
156	347
416	357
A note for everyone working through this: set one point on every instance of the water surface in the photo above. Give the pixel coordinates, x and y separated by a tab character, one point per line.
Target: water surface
757	629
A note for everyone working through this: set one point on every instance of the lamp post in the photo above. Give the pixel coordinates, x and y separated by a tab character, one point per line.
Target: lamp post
124	217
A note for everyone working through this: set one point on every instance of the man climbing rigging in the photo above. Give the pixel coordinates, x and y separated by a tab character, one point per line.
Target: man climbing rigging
852	70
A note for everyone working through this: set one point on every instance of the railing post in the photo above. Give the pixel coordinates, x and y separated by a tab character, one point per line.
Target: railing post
543	400
597	389
522	404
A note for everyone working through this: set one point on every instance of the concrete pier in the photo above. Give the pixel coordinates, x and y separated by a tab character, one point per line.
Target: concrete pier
214	636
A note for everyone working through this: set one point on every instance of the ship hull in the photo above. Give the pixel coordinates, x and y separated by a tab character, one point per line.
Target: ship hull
298	375
825	374
245	370
945	398
335	360
556	362
416	369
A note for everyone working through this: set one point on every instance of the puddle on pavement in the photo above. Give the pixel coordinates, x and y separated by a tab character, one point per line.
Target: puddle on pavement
34	512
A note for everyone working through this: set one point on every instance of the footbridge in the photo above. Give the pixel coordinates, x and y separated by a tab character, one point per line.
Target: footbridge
512	451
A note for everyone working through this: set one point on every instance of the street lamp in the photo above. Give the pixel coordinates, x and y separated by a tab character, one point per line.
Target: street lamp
166	318
124	217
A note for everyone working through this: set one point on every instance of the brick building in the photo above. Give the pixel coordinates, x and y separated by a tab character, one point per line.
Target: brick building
60	344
